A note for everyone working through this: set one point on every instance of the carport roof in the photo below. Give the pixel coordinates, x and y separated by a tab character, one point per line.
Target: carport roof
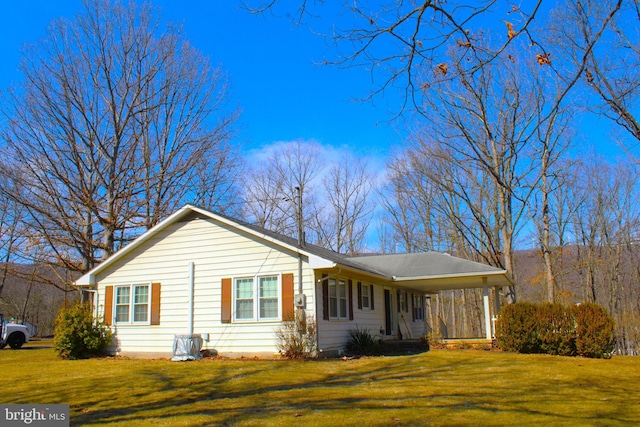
421	264
433	271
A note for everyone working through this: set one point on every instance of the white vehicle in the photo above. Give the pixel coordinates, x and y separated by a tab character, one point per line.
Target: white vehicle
13	334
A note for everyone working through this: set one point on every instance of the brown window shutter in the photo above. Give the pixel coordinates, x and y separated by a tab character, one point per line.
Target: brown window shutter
155	303
371	296
350	300
325	297
226	301
108	304
287	296
359	295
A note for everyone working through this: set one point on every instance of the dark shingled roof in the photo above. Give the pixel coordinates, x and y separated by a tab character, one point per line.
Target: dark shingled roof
423	264
437	268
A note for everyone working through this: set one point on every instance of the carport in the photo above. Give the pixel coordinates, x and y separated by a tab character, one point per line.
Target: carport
431	272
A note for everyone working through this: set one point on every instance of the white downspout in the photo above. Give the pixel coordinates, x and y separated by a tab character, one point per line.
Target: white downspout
191	291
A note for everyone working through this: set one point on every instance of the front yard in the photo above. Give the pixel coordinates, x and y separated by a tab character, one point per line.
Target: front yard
439	387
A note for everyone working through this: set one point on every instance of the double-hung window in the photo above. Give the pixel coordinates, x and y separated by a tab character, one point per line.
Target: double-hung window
268	297
418	307
244	299
132	304
365	297
403	306
256	298
337	299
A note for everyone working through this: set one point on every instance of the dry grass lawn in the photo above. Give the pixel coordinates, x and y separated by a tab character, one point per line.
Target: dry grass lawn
441	387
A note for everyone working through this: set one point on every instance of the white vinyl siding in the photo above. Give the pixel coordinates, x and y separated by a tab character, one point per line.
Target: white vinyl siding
218	251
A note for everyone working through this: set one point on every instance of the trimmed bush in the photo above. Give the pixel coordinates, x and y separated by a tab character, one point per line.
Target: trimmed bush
77	335
517	328
595	335
585	330
297	338
362	343
556	330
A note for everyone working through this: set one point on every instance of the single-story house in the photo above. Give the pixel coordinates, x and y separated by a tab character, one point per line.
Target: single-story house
199	272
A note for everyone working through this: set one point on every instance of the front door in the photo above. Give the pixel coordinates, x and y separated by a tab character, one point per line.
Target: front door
387	311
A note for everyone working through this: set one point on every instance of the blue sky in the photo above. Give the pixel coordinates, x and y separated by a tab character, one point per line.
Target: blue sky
282	93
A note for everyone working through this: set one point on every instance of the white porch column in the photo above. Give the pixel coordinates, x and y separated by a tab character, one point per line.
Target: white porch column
487	308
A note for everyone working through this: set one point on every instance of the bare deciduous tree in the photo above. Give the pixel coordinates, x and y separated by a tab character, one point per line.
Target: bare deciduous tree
343	218
600	41
405	44
281	185
112	127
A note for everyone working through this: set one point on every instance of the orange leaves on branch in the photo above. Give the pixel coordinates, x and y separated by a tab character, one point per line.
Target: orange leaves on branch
543	59
511	33
442	69
589	76
463	43
512	59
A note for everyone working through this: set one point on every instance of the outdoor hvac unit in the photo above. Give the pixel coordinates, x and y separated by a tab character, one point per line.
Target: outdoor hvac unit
187	347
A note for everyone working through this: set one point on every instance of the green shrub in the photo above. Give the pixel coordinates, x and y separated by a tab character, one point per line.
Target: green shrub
517	328
595	335
297	337
78	335
362	343
556	330
585	330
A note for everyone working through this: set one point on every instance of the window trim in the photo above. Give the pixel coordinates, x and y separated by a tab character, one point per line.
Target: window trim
366	288
418	304
132	304
256	299
336	281
403	302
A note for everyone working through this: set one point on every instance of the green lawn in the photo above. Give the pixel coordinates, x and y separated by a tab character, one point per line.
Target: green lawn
440	387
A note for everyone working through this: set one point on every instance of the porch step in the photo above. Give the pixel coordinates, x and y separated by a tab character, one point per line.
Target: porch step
397	347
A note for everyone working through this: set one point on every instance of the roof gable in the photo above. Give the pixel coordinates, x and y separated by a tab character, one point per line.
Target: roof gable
319	257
